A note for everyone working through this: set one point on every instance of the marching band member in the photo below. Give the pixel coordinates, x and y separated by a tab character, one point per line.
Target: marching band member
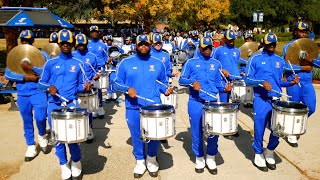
265	69
63	75
111	92
137	75
90	61
128	46
202	72
167	44
30	100
178	40
228	56
306	93
99	49
197	52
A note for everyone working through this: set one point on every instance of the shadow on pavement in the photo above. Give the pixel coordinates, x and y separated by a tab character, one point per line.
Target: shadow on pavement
246	111
92	161
185	137
164	159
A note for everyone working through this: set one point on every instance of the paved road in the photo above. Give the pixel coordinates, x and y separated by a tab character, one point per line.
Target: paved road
110	157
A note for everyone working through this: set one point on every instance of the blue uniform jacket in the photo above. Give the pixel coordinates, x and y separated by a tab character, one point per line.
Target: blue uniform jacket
205	70
229	58
99	49
165	59
264	67
305	77
87	57
65	74
141	74
25	88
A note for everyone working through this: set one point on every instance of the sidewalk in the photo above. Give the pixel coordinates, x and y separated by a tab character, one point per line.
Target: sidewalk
110	156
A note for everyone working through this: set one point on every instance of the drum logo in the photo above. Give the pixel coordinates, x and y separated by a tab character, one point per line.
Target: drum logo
151	68
73	68
298	120
160	124
277	64
212	67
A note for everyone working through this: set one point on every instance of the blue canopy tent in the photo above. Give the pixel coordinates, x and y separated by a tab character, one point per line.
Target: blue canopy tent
30	17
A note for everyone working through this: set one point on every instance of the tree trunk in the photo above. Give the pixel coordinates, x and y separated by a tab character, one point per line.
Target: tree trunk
11	36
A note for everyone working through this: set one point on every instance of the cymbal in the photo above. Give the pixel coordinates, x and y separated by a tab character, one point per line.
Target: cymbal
247	49
52	49
298	47
24	52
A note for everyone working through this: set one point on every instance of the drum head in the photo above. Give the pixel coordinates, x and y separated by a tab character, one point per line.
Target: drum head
291	107
69	111
157	109
239	83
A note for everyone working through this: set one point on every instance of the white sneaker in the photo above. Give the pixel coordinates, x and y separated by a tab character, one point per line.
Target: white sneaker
94	114
108	96
139	169
101	111
271	163
65	171
43	143
200	164
114	96
211	163
260	162
152	166
292	139
76	168
31	153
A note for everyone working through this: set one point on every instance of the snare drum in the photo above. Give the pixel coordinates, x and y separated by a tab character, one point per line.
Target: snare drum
70	125
157	122
172	100
89	100
220	118
103	81
289	118
241	93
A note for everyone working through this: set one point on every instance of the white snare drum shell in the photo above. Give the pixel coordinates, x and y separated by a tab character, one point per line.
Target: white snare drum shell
220	123
158	128
172	100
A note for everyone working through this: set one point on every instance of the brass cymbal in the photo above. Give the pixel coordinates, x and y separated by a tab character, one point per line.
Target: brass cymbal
21	53
247	49
52	49
298	47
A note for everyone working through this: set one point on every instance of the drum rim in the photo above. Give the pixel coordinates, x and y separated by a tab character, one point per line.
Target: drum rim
157	112
87	94
290	110
56	113
237	83
207	107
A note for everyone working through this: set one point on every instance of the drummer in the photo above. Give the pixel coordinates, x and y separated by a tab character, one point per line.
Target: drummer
99	49
197	52
228	56
63	75
30	100
137	75
202	73
265	69
111	92
306	93
193	42
128	46
90	65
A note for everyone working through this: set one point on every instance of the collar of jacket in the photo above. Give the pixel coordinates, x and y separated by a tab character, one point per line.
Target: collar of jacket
145	58
202	57
83	52
154	50
267	53
65	56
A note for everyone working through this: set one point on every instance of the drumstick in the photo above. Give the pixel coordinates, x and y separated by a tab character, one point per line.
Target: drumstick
224	77
92	67
277	92
146	99
206	92
294	73
85	75
63	98
165	85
